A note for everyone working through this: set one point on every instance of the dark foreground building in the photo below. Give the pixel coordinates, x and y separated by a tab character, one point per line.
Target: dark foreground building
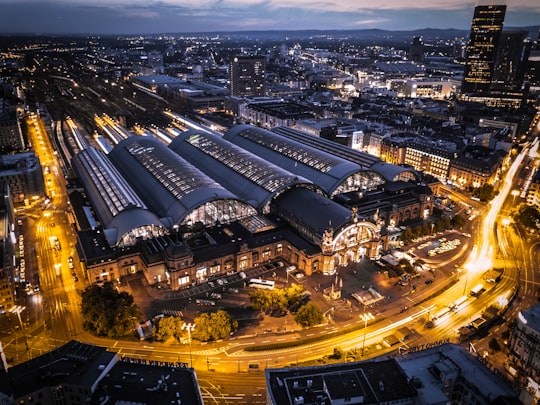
80	374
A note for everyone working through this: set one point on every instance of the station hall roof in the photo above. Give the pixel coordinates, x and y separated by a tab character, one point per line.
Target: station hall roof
170	185
322	168
310	209
116	204
361	158
254	179
388	171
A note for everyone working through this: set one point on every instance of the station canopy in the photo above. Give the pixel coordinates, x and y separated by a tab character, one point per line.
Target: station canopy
333	174
173	188
376	170
254	179
122	213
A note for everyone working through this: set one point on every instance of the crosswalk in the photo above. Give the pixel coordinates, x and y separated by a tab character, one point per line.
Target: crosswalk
172	312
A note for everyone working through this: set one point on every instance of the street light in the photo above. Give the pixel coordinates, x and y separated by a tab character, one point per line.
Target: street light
287	271
17	309
189	327
365	317
514	193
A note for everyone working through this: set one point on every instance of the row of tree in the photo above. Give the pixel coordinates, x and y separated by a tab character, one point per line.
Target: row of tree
109	313
426	228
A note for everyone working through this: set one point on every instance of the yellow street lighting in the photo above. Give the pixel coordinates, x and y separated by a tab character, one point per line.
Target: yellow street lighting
189	327
366	317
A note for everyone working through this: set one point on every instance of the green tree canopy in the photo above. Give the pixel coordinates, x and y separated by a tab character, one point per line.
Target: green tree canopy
484	193
278	298
166	327
107	312
309	315
213	326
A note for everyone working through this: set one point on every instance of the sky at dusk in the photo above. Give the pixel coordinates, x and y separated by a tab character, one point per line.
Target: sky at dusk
183	16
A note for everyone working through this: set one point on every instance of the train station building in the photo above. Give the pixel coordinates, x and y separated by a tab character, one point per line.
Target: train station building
205	206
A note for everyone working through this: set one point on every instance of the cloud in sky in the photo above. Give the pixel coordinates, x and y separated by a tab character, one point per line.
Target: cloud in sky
144	17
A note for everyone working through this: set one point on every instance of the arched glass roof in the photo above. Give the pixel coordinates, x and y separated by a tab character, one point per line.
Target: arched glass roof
327	171
248	176
112	197
361	158
387	171
171	186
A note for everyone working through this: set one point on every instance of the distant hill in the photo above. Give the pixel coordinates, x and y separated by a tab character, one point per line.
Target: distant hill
373	34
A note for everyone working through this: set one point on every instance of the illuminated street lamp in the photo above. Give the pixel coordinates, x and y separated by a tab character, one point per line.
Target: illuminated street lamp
17	309
189	327
366	317
514	193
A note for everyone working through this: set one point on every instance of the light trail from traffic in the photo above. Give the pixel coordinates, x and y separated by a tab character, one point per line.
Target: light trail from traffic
482	260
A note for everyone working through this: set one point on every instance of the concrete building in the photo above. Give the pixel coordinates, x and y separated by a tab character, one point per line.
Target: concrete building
78	373
23	173
11	137
9	271
533	194
416	50
441	374
273	113
248	76
524	344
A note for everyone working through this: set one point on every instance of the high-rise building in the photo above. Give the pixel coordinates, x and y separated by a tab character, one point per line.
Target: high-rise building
248	76
511	61
533	67
481	53
416	50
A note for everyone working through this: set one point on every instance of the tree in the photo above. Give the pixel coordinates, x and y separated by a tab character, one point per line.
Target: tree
293	296
337	354
214	326
261	299
484	193
277	299
407	235
527	216
494	345
107	312
309	315
167	327
458	222
426	229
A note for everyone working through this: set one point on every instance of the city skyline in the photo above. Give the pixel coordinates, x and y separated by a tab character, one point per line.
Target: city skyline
181	16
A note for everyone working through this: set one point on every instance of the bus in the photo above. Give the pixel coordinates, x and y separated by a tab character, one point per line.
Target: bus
477	290
260	283
459	303
440	315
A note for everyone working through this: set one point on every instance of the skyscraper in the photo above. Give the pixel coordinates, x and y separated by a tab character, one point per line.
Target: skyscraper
486	28
511	61
248	76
